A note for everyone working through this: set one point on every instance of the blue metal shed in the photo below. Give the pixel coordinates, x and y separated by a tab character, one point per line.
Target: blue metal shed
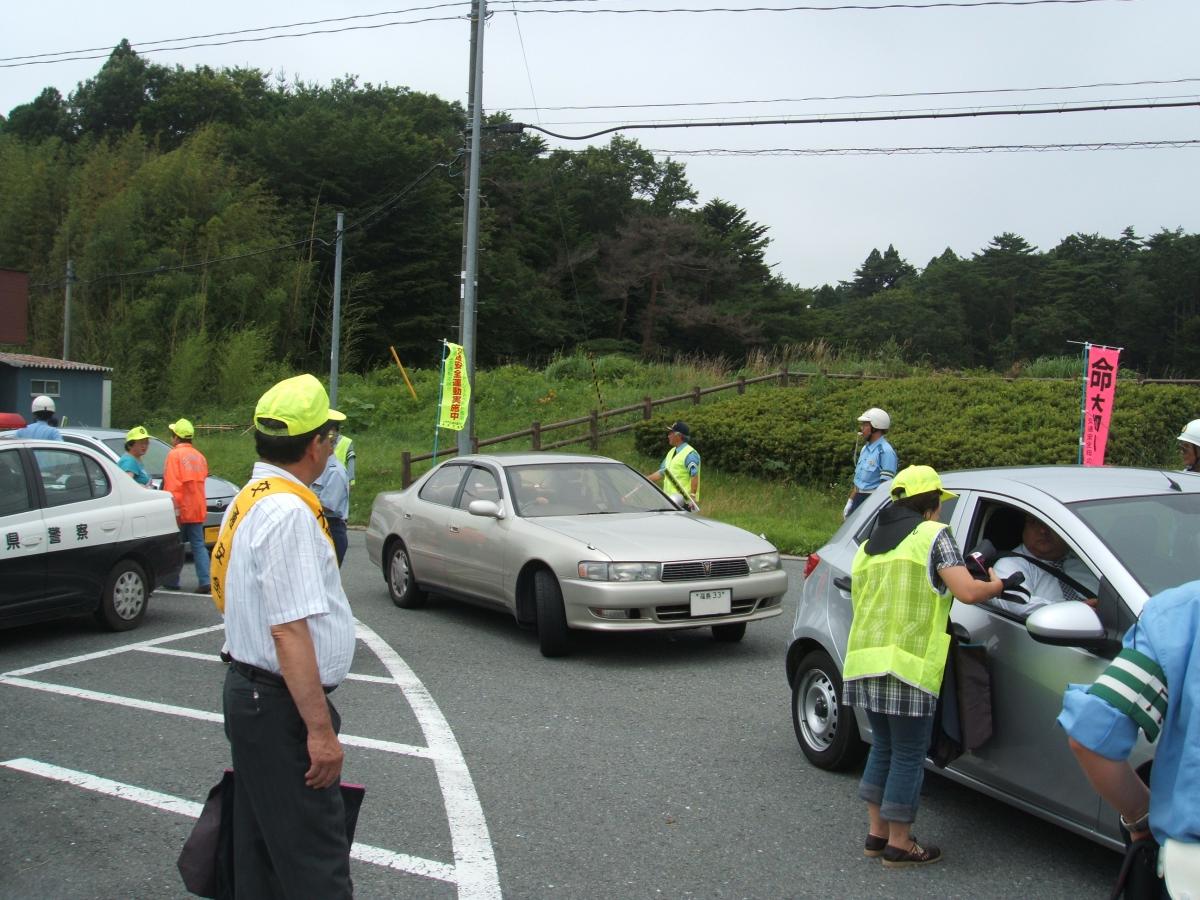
82	393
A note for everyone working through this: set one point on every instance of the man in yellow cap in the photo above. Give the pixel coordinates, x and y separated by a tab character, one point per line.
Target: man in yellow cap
289	641
137	441
184	474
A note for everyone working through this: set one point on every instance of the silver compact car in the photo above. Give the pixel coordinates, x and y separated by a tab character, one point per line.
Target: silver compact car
1132	530
218	493
570	542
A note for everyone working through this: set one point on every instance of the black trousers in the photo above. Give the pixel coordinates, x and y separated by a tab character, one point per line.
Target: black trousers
289	840
341	539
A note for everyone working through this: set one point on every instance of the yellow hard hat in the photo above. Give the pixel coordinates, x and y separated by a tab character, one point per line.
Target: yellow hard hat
136	433
294	406
182	429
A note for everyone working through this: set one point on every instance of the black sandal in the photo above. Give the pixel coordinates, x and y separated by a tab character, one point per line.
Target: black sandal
916	855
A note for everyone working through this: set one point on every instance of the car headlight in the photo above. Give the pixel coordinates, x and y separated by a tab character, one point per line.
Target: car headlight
763	562
619	571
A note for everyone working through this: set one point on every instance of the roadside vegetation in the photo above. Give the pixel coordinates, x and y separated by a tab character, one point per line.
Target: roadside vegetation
778	461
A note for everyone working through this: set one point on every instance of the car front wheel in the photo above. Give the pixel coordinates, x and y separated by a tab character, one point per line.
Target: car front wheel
400	581
123	603
551	615
826	730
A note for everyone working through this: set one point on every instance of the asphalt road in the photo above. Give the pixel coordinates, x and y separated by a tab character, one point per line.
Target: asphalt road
640	766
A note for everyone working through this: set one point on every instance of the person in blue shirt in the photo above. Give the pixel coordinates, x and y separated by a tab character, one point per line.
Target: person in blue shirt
333	490
877	462
137	441
1153	686
43	427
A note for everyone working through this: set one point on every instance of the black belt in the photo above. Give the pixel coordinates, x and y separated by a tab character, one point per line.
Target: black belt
254	673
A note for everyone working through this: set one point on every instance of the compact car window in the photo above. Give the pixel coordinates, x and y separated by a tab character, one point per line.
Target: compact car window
481	485
14	487
442	486
1155	538
945	514
583	489
101	487
64	476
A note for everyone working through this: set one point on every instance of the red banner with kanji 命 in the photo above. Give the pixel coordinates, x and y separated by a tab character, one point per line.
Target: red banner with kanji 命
1100	387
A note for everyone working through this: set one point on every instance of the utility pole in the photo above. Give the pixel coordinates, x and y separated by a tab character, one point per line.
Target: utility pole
471	244
336	337
67	310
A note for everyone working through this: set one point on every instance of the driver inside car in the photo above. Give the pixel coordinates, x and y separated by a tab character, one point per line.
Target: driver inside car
1044	558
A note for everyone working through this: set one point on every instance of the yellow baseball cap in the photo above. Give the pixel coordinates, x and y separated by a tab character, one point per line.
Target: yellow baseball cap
136	433
183	428
918	480
294	406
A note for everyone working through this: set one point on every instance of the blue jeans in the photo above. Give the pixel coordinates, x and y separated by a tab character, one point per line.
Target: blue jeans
896	764
193	533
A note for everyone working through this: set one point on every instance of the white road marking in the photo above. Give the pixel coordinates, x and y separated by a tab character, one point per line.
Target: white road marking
200	714
378	856
474	861
474	870
124	648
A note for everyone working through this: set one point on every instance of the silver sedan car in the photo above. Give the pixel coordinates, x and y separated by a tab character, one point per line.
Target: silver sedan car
1133	529
570	542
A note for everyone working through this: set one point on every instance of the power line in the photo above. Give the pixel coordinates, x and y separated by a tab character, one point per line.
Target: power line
828	120
881	96
202	40
912	151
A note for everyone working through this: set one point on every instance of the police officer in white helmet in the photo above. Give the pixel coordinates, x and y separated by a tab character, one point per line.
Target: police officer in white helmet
877	462
1189	446
43	425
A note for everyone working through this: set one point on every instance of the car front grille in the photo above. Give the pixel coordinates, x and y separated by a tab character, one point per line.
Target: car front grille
696	569
680	611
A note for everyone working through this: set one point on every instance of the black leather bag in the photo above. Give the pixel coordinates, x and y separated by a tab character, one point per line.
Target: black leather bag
206	860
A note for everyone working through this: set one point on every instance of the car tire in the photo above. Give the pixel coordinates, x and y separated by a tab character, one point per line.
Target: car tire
730	633
401	582
551	614
126	593
827	731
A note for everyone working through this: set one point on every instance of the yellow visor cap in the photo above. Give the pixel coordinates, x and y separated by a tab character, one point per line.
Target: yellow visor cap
137	433
918	480
294	406
183	428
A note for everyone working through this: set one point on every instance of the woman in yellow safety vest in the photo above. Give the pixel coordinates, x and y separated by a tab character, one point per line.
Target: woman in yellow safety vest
901	585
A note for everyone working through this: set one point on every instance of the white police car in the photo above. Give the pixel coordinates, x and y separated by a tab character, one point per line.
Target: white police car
78	535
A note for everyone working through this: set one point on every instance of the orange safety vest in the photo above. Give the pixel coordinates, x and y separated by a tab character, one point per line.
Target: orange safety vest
183	475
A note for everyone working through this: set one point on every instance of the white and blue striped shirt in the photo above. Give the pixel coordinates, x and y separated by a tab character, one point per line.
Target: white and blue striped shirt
282	568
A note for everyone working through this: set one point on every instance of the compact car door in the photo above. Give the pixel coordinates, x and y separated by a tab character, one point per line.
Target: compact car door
83	522
23	557
475	564
423	525
1027	756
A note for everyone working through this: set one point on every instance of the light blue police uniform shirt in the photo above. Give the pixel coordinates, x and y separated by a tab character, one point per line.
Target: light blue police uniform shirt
1166	633
333	488
877	463
39	430
131	464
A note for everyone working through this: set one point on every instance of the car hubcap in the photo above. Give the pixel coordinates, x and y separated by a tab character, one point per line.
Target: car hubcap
129	595
818	712
400	573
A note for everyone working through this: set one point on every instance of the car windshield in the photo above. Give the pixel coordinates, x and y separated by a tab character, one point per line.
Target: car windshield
1155	538
155	459
582	489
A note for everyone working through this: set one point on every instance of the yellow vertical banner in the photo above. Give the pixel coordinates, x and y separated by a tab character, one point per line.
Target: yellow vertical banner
456	389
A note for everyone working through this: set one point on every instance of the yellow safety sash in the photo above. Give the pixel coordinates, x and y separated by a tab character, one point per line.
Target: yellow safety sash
246	498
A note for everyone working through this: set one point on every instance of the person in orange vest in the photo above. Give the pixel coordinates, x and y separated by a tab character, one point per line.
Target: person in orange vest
184	474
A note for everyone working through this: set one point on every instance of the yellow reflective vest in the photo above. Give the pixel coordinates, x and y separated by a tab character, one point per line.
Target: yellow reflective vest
342	450
899	625
675	466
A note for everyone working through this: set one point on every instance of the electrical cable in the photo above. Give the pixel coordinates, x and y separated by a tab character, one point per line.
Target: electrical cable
912	151
826	120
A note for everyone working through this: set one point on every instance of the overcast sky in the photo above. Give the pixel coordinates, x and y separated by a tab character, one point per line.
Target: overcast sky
825	213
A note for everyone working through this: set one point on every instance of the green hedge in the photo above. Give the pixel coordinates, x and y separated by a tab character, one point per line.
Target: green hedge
807	434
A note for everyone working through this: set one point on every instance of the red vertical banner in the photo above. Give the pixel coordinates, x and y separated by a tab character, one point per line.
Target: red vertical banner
1100	387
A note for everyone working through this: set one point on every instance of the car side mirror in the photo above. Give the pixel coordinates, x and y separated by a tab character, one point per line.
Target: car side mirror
1071	623
489	509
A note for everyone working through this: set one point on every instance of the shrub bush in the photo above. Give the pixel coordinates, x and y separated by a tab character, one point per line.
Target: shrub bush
807	434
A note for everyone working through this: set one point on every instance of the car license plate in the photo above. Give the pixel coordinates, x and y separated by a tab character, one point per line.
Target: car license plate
712	603
210	533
